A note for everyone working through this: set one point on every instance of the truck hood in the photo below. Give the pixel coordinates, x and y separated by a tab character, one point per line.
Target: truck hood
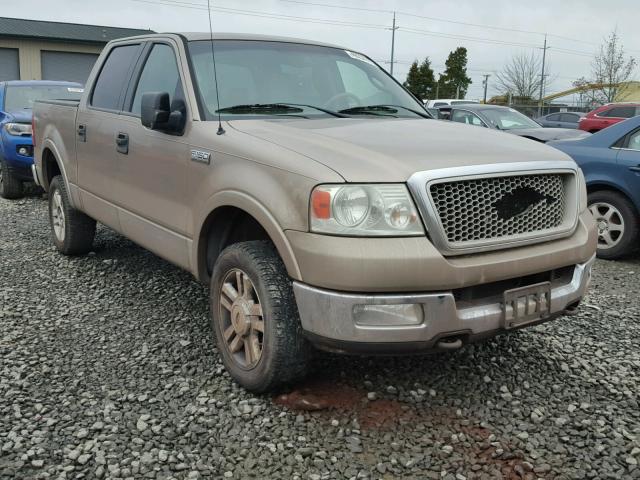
391	150
20	116
548	134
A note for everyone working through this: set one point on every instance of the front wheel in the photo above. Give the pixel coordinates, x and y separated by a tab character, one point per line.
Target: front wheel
72	230
617	223
255	317
10	186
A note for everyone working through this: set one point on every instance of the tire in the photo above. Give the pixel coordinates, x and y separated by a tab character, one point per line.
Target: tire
72	231
10	187
618	224
283	352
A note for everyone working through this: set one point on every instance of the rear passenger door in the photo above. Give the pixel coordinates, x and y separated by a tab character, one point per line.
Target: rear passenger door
96	130
152	175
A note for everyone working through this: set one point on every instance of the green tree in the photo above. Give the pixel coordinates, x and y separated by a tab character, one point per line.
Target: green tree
455	75
420	79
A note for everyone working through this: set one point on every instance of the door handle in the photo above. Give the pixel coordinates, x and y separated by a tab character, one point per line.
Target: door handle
635	169
82	132
122	142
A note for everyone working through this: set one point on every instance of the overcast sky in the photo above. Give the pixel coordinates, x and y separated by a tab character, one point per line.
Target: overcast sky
583	22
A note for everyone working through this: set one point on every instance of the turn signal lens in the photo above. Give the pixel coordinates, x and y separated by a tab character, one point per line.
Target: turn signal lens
321	204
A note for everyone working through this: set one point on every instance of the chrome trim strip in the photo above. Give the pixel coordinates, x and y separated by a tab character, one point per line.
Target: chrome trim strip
34	172
420	182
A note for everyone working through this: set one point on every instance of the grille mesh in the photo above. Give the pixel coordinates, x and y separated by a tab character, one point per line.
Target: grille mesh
491	208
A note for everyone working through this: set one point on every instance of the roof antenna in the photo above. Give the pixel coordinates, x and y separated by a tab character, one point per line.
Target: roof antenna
215	75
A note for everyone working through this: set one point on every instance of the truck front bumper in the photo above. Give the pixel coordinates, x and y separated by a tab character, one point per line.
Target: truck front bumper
393	323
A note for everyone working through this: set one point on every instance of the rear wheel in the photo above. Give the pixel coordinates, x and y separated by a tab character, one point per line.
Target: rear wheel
617	223
10	186
72	230
255	317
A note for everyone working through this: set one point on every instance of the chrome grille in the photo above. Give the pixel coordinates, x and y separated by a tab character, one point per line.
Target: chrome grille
487	209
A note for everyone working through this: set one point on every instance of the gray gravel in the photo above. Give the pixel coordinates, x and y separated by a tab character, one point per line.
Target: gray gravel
107	370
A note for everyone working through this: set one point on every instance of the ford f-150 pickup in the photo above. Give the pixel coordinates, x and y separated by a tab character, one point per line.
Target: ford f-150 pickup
316	197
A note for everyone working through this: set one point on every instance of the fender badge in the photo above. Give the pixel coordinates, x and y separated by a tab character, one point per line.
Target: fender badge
200	156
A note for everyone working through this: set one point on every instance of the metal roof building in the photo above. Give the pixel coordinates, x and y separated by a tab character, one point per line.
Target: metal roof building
38	50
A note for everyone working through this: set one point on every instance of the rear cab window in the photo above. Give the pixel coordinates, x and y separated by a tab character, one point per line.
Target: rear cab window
108	89
619	112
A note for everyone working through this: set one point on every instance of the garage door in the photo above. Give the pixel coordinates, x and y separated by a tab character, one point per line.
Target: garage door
9	66
67	66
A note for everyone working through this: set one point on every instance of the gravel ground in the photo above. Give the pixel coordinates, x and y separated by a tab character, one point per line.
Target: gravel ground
107	370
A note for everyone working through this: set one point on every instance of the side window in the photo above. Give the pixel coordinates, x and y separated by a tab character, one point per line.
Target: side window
634	141
160	74
554	117
569	117
466	117
113	76
620	112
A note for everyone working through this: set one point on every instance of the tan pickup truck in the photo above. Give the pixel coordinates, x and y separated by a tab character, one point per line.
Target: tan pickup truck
317	198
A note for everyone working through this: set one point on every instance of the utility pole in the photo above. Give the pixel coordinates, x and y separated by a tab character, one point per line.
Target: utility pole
393	41
542	76
457	91
486	84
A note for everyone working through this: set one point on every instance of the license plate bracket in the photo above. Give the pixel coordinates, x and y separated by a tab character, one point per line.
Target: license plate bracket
526	304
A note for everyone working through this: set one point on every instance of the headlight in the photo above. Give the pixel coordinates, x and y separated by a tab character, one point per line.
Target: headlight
18	129
364	210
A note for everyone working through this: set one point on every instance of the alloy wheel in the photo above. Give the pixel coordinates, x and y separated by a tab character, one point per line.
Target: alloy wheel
241	318
610	224
57	216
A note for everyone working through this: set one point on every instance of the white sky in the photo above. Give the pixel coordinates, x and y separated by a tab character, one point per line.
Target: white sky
587	21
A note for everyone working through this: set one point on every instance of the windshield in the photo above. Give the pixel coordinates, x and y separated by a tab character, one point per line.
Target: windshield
22	97
312	78
508	119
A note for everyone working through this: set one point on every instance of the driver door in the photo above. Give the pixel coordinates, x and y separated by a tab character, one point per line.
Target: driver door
152	169
629	159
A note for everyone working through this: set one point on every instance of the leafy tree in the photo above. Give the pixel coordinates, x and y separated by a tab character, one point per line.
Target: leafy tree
420	79
454	82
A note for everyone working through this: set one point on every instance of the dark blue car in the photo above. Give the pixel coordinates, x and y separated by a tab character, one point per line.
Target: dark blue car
16	148
610	160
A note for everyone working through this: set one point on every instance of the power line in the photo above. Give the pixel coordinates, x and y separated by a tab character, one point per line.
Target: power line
255	13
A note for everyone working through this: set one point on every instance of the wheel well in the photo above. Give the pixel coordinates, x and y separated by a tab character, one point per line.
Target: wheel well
223	227
609	188
50	168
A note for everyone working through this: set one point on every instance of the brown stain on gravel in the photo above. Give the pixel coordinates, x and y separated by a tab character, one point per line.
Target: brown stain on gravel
329	396
326	396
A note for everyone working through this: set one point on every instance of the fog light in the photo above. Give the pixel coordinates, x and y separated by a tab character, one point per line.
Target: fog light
403	314
23	151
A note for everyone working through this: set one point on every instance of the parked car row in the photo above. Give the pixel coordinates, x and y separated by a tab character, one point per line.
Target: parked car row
324	210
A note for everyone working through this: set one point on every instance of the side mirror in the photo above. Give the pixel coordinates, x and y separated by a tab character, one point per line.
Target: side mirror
155	110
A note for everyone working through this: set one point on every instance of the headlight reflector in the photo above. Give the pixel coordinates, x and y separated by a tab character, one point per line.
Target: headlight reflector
18	129
364	210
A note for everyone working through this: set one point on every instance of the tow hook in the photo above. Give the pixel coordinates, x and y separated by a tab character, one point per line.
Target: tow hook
449	344
572	309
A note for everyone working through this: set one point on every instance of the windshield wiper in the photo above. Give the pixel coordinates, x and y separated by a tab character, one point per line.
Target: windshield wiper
386	110
320	109
260	108
274	108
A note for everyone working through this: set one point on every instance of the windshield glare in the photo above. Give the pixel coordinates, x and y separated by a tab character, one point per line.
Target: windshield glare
22	97
261	72
508	119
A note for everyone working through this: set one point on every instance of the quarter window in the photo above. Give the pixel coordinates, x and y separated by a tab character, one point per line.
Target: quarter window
113	76
160	74
634	141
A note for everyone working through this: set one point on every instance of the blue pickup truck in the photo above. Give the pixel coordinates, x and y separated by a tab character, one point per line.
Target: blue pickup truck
16	148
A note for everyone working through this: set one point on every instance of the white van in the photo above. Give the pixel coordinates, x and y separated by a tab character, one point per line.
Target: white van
441	102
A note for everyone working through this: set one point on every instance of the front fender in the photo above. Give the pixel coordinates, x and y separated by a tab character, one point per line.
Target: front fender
249	204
